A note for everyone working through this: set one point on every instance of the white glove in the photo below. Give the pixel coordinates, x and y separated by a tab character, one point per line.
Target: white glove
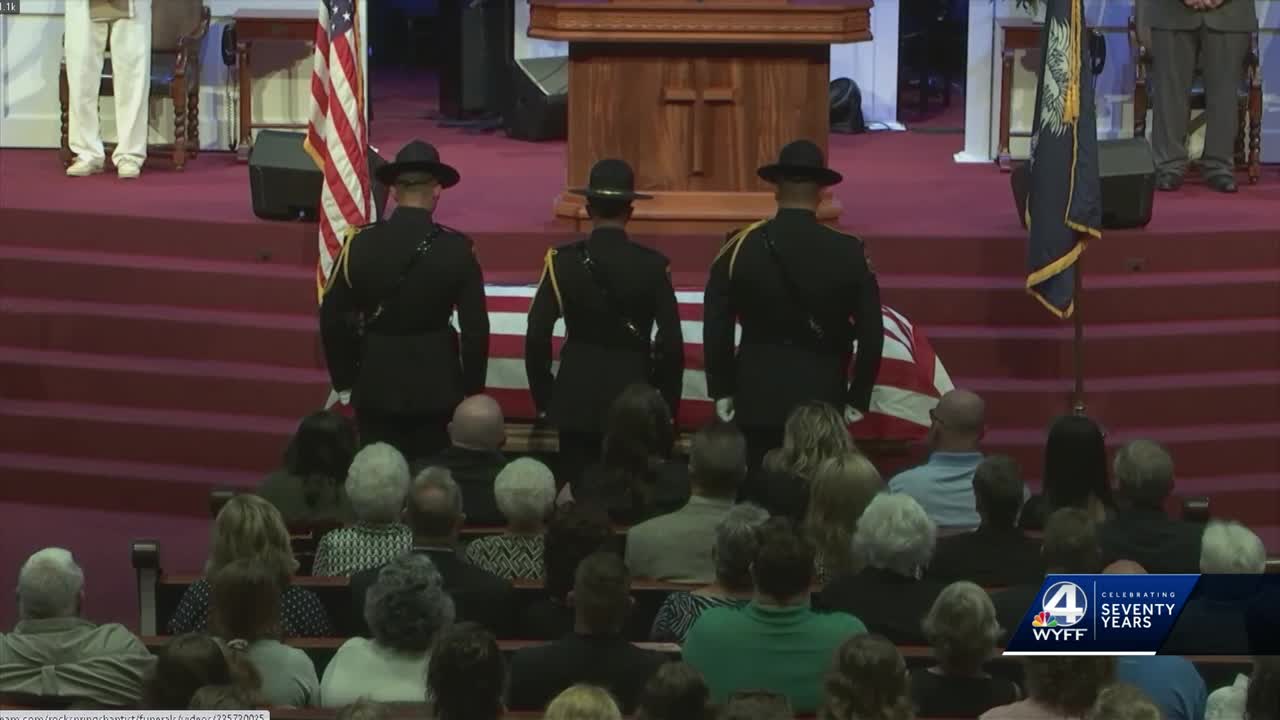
851	415
336	398
724	409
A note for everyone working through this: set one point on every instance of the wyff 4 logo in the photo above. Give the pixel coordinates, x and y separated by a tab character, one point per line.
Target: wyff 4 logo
1063	606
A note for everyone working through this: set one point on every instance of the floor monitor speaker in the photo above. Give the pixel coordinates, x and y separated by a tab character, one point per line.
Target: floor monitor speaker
1127	174
285	182
539	103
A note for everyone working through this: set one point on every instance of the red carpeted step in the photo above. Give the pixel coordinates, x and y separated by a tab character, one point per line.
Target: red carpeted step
1154	400
926	299
113	485
165	384
232	239
161	331
1118	349
78	430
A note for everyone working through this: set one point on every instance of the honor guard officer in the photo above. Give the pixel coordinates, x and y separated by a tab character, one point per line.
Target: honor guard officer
610	292
796	286
385	319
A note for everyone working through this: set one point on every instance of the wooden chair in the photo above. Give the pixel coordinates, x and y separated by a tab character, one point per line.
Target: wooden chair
1248	153
178	28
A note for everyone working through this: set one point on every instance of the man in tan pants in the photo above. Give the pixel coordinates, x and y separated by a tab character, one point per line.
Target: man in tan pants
88	25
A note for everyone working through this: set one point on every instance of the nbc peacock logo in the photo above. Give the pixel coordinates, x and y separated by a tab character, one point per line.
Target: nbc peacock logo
1062	606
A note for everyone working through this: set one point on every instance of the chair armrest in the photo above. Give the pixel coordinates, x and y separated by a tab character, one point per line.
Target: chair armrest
1195	509
189	44
218	497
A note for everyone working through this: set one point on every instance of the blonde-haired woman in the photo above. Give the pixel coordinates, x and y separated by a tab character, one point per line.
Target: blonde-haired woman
841	489
583	702
814	432
963	630
250	528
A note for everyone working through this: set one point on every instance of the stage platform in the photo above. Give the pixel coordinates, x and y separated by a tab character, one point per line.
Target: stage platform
156	339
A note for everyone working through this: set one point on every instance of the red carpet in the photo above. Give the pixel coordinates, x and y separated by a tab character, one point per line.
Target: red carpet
156	339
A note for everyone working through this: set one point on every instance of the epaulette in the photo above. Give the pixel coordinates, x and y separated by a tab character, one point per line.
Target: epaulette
862	246
733	243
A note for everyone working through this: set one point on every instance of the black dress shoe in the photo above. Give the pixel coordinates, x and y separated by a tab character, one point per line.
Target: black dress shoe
1222	183
1168	182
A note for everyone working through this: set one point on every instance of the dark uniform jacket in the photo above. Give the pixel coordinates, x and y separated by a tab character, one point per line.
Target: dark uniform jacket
1231	16
781	361
601	356
409	360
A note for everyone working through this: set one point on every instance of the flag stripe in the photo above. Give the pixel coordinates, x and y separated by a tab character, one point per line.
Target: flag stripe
910	382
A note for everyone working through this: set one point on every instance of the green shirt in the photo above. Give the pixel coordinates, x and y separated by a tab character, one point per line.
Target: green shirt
785	650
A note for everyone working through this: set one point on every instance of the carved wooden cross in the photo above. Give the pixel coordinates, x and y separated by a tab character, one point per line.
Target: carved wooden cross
697	97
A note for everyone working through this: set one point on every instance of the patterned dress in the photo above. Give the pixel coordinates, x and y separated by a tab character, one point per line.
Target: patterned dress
301	613
348	550
681	610
514	557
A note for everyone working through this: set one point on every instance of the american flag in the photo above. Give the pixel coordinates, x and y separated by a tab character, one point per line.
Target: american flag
911	379
337	136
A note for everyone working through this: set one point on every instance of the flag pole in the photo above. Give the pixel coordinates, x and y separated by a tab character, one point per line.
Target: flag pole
1077	343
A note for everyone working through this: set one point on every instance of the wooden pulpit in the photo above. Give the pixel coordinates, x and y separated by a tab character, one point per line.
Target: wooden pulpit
695	94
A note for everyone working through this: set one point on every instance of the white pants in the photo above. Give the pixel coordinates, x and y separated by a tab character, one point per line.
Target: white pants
86	44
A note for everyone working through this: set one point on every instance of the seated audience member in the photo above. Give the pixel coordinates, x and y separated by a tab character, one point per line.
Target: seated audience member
474	456
308	489
434	513
595	652
1171	681
376	486
1070	546
406	607
997	554
1140	530
757	705
736	544
944	485
675	692
250	528
776	642
868	679
1251	697
1214	619
1075	473
963	631
583	702
677	546
224	697
54	653
1123	702
814	432
893	544
192	661
575	532
635	478
841	489
1058	688
467	676
245	614
525	491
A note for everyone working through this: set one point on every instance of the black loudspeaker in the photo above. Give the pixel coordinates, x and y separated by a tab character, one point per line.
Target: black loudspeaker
285	182
1127	171
466	64
539	103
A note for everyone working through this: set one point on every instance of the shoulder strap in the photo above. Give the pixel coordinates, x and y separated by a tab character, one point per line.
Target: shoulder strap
793	290
605	290
423	246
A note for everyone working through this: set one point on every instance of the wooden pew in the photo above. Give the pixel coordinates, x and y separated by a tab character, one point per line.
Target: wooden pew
322	650
159	594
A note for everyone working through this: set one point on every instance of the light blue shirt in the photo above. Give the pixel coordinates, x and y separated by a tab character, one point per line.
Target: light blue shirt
1172	683
943	487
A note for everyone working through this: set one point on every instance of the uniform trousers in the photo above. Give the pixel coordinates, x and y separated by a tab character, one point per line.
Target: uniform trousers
85	45
760	440
578	451
417	437
1173	55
